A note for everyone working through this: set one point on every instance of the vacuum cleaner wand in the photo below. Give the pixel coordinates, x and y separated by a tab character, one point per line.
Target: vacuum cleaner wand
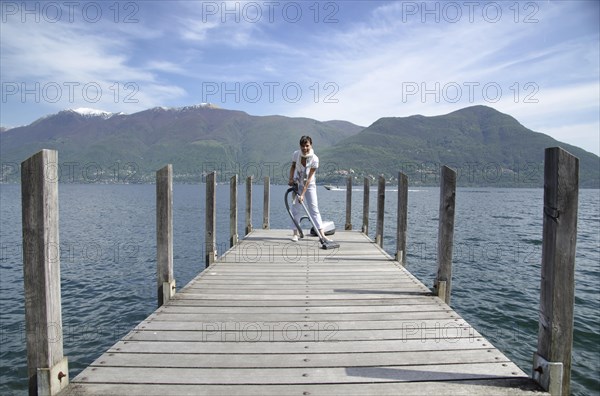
325	243
294	189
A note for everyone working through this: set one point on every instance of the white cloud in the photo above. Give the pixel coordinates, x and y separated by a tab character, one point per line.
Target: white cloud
50	51
165	66
195	30
71	65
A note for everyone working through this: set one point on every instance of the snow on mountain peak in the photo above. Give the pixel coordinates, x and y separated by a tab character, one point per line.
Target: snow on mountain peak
200	106
92	112
186	108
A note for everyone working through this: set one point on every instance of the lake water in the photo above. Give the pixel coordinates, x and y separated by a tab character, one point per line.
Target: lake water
108	264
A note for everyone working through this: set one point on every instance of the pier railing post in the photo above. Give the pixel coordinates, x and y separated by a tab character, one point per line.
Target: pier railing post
443	283
164	234
348	225
552	361
248	205
266	201
47	368
380	210
233	226
402	218
211	218
366	187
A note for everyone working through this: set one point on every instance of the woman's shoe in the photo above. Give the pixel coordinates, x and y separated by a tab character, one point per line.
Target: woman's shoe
295	238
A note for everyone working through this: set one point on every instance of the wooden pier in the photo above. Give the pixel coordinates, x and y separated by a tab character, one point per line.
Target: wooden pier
273	317
276	317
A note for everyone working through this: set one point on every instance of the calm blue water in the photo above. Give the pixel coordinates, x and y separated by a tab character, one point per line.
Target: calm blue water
108	260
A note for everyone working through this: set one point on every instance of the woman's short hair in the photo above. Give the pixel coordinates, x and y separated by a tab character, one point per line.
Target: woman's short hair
304	139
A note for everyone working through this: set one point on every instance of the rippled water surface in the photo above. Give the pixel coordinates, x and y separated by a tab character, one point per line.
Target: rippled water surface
108	264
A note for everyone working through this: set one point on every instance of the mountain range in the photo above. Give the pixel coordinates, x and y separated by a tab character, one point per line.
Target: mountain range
486	147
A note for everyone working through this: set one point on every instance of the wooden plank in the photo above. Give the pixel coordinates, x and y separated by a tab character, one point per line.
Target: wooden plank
300	284
366	189
402	218
382	309
266	203
259	360
317	331
348	225
321	375
249	227
194	301
402	289
210	230
517	386
47	369
348	271
446	232
276	347
217	286
233	215
423	327
380	211
308	314
325	281
218	283
164	234
297	297
557	291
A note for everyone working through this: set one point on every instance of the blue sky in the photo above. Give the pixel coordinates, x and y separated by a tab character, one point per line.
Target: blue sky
349	60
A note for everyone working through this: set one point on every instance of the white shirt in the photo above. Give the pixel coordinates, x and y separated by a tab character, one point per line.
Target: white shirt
301	173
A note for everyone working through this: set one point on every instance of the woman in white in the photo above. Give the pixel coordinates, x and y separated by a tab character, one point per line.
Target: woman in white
302	172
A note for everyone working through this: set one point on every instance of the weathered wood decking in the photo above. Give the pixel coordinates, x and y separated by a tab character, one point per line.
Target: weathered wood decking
272	317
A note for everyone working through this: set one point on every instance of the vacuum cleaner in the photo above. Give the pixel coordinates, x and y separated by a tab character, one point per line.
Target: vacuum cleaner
329	227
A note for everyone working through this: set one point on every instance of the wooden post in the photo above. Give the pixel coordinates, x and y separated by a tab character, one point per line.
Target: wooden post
445	234
47	368
552	361
402	218
233	227
248	205
366	187
266	197
380	210
164	235
348	225
211	218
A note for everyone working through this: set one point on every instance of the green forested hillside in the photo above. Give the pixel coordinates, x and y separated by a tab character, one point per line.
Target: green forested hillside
486	147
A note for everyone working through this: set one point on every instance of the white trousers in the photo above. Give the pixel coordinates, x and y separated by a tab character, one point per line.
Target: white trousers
312	204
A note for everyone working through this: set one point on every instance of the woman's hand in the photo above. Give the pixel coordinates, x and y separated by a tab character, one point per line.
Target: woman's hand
301	197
